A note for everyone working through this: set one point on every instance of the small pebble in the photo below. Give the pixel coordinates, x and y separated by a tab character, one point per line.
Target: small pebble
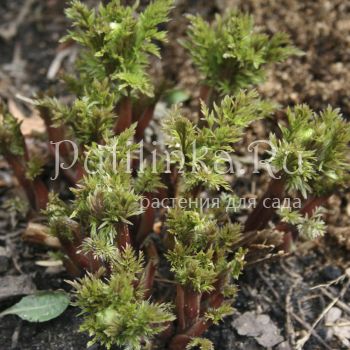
329	273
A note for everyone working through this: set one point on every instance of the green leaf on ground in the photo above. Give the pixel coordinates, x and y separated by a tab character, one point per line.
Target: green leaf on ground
177	96
40	307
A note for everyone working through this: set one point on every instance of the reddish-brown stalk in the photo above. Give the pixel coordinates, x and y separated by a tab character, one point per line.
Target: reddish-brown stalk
144	121
205	94
180	341
124	113
147	221
123	235
72	247
212	298
192	304
180	308
55	135
151	268
18	168
264	211
41	193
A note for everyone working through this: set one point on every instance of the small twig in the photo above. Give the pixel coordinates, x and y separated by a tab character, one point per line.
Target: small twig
14	255
341	305
297	318
338	324
25	99
309	328
13	234
289	311
57	61
303	340
268	258
289	270
330	283
269	284
164	280
9	30
15	335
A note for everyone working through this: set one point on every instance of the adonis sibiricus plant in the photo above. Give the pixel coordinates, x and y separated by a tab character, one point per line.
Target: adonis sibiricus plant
153	231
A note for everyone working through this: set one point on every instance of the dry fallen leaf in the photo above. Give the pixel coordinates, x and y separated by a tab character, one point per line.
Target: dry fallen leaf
39	234
29	124
11	286
333	315
342	332
260	327
338	326
49	263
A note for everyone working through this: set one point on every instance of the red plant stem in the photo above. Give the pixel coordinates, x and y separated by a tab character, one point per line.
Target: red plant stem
123	238
263	212
19	171
287	237
42	194
57	135
180	308
72	269
54	134
168	332
313	203
211	299
79	260
151	268
69	174
80	172
192	301
217	300
205	93
150	272
144	121
199	328
172	180
147	221
180	341
71	246
124	111
36	191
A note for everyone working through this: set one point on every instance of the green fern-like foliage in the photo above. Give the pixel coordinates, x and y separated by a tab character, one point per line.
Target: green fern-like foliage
34	167
203	152
117	42
58	216
312	153
200	343
230	54
105	197
89	117
202	249
148	179
11	140
308	227
108	195
115	310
